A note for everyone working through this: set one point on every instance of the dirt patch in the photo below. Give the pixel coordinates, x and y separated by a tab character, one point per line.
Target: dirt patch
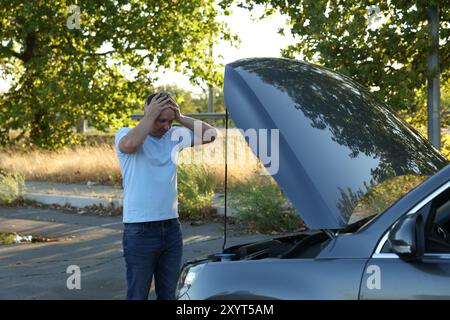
99	210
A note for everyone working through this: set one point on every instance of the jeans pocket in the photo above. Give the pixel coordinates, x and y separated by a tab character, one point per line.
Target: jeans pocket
177	233
133	229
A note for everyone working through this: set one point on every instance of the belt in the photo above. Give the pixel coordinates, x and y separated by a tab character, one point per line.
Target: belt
153	223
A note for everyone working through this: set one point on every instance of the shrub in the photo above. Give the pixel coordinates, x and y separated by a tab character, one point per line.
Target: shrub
196	185
12	186
260	204
383	195
7	237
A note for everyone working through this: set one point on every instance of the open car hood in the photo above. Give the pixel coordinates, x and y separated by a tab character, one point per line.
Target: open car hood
336	141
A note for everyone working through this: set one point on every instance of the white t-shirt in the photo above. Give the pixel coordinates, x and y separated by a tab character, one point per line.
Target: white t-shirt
150	175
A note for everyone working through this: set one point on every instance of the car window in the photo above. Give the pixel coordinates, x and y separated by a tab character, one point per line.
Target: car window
443	214
438	232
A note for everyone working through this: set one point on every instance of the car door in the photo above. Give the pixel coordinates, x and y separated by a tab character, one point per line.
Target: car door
388	276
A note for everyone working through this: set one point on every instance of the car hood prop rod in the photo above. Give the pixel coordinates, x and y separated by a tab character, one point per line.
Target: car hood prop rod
226	181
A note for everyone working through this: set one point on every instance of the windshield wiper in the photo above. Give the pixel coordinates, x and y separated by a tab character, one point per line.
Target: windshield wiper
332	234
355	225
329	233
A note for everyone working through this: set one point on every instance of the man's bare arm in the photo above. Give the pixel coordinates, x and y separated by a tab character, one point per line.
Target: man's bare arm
208	132
136	137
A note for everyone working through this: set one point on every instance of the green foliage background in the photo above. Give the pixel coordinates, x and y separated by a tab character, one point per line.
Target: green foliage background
391	57
61	75
103	71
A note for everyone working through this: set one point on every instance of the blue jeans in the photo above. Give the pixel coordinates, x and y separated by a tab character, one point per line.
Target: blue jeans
152	249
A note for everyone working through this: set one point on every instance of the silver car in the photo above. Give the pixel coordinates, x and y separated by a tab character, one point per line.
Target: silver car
373	192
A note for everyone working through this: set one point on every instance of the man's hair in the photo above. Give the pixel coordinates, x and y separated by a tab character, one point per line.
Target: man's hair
151	96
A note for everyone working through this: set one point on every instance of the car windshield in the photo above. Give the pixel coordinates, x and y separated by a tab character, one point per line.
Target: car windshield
383	195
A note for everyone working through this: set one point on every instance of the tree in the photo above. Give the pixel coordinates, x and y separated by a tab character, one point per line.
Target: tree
93	60
218	100
383	45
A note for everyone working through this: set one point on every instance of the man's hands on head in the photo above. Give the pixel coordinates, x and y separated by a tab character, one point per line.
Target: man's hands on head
136	137
159	103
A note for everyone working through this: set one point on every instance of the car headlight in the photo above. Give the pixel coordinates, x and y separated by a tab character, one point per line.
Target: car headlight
187	278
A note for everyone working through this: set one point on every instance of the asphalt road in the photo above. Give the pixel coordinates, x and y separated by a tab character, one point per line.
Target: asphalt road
91	243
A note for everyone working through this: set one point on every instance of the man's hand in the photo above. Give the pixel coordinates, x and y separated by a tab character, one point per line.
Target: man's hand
159	103
174	106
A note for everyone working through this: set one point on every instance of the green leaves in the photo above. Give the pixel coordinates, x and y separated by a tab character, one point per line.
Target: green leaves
390	54
62	73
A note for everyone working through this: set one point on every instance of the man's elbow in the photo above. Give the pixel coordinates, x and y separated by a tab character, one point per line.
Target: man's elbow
214	134
210	135
127	146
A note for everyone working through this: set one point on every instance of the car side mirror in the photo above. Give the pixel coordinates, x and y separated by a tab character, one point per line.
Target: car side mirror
407	237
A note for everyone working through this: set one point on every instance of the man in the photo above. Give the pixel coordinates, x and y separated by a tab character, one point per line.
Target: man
152	240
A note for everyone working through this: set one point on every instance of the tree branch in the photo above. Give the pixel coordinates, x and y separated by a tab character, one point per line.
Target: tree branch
103	53
30	43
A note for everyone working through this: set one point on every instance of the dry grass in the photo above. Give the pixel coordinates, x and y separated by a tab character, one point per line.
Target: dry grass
77	164
99	163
